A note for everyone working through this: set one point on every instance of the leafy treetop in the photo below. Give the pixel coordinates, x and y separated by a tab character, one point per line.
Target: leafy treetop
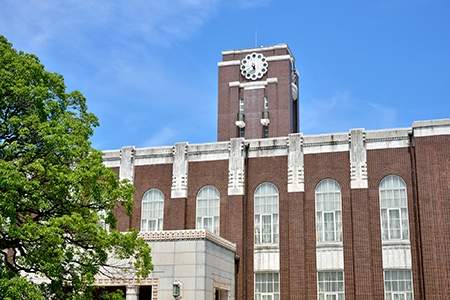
53	186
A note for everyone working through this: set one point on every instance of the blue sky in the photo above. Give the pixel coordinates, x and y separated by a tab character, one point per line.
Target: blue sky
149	67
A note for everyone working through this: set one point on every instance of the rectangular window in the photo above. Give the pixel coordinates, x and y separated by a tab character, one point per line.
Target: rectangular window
330	285
267	286
266	229
266	103
394	224
329	226
210	223
398	285
265	131
328	214
241	132
241	105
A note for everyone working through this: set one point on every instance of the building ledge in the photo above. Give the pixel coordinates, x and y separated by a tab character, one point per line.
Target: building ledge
184	235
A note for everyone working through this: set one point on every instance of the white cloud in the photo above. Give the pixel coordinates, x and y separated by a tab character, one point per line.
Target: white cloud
253	3
37	22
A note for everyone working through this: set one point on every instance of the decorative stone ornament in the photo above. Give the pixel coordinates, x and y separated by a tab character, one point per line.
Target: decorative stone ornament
254	66
240	124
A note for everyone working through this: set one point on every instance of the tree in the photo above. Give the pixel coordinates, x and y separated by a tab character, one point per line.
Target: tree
53	186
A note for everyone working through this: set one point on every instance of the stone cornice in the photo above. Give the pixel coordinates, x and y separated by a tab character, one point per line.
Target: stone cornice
278	146
184	235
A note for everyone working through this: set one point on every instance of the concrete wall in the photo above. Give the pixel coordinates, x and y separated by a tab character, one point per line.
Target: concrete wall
199	265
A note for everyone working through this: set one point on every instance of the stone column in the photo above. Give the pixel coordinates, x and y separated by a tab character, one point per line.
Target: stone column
126	172
132	292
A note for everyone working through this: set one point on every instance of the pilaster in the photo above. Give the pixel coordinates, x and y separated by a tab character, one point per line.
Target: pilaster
132	292
358	159
127	163
236	167
296	168
180	171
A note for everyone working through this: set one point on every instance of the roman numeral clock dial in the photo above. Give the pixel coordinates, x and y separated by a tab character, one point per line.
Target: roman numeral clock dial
254	66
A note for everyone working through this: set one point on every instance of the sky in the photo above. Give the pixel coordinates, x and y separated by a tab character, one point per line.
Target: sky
148	68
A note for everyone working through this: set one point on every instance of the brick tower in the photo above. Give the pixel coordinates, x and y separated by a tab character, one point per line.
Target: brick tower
258	93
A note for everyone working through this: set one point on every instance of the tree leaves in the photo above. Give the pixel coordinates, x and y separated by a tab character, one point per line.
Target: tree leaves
53	185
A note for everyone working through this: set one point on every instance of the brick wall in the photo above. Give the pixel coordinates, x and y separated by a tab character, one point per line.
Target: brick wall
428	203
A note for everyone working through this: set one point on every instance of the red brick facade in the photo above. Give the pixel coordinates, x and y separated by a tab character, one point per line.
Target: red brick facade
419	155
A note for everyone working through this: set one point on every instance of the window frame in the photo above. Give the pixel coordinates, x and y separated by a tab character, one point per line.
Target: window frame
275	285
158	221
402	208
258	217
337	293
321	233
404	292
215	219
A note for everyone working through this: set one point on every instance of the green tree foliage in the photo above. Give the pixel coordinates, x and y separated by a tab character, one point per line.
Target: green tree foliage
53	186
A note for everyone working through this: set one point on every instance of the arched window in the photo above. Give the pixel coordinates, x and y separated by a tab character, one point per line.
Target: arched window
328	211
393	209
266	214
208	209
152	210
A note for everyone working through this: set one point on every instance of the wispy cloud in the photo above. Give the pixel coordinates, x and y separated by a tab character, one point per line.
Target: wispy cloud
165	136
253	3
343	111
156	22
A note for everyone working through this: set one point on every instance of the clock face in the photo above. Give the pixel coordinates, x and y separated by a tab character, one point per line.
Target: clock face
254	66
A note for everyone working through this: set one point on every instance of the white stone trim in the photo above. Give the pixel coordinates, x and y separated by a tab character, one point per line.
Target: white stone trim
279	57
388	139
274	47
312	144
126	171
132	292
330	258
324	143
180	171
236	167
397	256
237	62
268	147
296	168
208	151
184	235
431	127
265	122
111	158
125	281
251	85
266	260
358	159
227	63
153	156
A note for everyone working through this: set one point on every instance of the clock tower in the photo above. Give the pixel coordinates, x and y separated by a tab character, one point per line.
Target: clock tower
258	93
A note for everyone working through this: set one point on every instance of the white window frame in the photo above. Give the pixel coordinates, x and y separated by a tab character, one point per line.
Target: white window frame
211	196
331	293
275	289
155	197
321	236
259	199
402	209
403	293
